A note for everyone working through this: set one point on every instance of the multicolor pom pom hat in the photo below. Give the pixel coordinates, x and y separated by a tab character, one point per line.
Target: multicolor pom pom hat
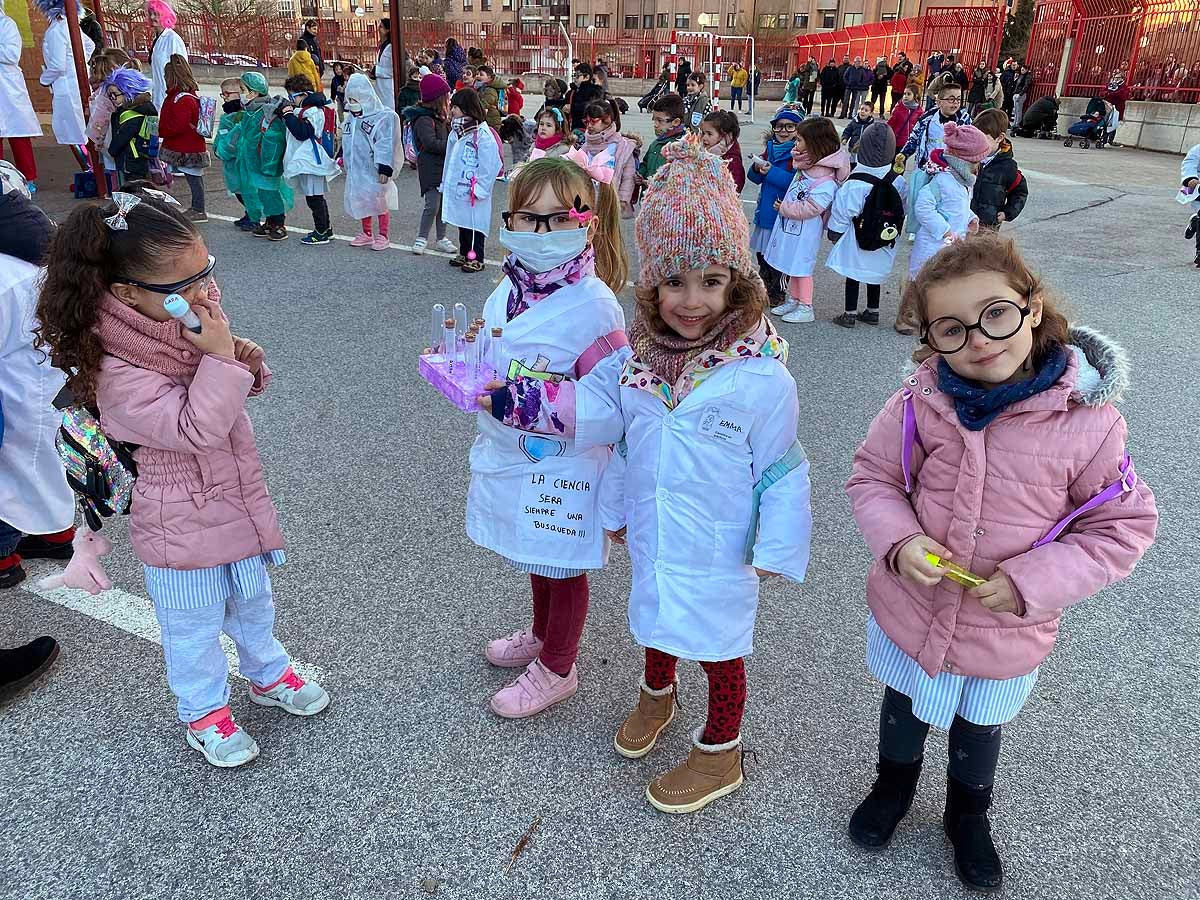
691	217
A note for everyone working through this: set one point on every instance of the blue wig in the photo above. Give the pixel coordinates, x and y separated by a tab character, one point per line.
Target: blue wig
128	82
52	9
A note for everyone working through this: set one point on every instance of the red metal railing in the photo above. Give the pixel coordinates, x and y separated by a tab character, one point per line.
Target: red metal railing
1052	23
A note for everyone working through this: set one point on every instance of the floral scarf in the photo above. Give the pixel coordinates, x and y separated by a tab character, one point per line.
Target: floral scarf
671	367
530	288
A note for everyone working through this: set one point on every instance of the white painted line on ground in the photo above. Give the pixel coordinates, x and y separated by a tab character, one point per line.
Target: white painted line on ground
130	613
429	251
1054	179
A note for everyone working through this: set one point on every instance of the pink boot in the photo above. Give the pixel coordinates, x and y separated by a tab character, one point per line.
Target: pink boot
363	240
515	651
380	242
536	689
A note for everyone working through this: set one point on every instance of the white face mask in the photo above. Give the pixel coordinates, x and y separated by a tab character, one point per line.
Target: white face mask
543	252
354	107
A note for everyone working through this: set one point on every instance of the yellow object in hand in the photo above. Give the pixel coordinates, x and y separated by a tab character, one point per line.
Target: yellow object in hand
955	573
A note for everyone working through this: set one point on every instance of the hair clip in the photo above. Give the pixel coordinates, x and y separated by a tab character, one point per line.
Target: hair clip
163	196
580	212
125	202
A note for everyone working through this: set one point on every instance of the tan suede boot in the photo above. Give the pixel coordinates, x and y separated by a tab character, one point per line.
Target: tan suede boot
710	771
654	712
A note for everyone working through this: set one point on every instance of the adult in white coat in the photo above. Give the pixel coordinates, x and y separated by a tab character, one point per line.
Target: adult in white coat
18	121
167	43
473	163
59	75
385	77
35	498
876	155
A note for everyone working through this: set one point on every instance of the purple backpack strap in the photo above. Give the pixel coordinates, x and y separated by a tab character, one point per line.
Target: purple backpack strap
599	349
911	437
1123	485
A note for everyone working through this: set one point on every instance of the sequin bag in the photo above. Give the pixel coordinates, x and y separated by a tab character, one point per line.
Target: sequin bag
101	472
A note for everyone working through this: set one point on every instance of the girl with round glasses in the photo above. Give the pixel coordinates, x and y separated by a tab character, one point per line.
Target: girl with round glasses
1002	453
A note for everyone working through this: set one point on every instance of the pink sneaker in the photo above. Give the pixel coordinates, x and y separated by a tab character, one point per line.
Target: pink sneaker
363	240
516	651
380	242
536	689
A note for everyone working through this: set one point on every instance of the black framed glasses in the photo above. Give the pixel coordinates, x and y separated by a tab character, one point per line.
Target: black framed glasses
555	221
204	275
785	127
1000	319
116	97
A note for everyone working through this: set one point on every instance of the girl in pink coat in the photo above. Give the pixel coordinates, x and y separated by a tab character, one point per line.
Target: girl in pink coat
1004	454
201	521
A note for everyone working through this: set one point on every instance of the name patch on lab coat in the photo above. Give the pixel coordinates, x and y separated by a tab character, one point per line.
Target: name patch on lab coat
726	423
558	504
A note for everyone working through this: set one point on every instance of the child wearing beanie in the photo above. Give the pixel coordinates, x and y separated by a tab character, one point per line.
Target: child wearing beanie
821	165
870	265
428	121
943	207
713	485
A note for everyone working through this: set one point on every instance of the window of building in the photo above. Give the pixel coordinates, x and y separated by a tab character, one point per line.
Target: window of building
508	4
708	20
485	5
682	20
581	20
888	17
648	21
286	7
800	22
828	18
731	20
662	20
602	20
506	27
468	5
851	19
370	5
766	21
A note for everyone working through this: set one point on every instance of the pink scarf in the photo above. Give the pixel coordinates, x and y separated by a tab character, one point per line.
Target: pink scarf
155	346
531	288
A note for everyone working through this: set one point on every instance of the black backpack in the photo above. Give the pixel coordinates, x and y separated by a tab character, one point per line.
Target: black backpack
882	218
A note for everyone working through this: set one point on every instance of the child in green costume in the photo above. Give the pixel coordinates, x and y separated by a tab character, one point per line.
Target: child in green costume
225	145
261	140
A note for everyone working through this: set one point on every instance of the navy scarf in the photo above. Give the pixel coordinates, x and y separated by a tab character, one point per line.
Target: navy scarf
977	406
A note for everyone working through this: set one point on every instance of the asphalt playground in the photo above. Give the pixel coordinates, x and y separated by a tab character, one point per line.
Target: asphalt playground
408	786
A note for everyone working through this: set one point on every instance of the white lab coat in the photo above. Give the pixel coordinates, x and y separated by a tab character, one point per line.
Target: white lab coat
167	45
1190	168
34	495
17	118
847	258
513	473
942	206
468	175
367	141
308	157
384	79
59	75
794	243
685	491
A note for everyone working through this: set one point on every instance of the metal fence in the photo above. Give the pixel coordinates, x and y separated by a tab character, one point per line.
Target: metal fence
972	34
532	48
1155	47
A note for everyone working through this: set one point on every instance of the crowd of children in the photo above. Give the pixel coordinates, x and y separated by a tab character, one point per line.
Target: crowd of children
683	426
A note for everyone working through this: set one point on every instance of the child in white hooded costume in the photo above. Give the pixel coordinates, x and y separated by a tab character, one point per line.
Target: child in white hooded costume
371	154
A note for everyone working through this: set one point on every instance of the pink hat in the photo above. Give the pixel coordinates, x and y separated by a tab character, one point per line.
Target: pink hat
967	142
432	87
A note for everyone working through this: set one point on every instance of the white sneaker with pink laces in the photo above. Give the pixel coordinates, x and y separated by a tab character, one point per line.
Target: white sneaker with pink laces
514	651
536	689
221	740
291	693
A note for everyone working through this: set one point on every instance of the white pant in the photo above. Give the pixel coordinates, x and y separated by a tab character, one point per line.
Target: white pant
197	670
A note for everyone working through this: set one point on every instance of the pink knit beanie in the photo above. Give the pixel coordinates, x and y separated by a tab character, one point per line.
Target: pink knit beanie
691	217
433	86
967	142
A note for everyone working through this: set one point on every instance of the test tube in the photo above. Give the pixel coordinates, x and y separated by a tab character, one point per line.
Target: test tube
460	321
497	353
435	339
472	356
450	340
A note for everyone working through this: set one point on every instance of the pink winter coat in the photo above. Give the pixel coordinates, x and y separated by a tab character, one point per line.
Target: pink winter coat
988	496
200	498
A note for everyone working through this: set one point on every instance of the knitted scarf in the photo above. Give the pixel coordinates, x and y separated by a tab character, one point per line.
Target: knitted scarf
530	288
978	406
548	143
671	367
155	346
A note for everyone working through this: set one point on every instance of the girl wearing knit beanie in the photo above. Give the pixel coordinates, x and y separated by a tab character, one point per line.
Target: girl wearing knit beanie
713	485
534	500
821	164
872	265
943	207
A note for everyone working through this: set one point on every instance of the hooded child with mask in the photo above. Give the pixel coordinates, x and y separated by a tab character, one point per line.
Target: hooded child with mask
371	154
261	142
473	162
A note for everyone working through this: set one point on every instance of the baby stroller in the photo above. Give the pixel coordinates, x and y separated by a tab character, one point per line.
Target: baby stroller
1091	129
660	88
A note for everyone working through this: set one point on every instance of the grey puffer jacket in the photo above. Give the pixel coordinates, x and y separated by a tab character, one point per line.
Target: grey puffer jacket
429	137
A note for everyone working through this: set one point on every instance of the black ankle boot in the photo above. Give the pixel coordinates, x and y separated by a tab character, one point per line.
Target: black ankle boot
876	818
967	826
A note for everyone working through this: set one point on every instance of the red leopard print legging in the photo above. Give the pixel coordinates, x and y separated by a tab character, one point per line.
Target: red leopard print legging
726	692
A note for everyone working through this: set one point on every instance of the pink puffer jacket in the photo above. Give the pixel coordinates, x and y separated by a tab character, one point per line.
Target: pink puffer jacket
200	498
988	496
